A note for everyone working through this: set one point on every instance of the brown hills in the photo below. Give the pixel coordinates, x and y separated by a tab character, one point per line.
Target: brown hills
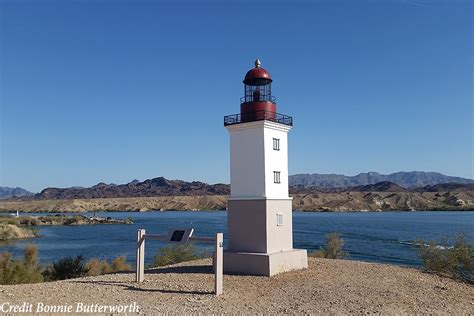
164	194
148	188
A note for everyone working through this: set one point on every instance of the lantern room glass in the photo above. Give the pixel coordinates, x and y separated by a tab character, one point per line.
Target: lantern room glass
258	93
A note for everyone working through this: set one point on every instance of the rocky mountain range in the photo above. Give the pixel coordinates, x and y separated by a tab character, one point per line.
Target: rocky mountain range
413	179
384	186
7	192
299	184
163	194
312	201
151	187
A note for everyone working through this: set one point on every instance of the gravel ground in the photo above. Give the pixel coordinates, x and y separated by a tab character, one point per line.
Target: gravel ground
327	286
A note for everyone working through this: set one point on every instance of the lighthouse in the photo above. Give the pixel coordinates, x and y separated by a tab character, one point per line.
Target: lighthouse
259	218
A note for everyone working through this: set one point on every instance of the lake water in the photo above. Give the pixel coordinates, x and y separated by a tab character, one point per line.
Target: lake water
386	237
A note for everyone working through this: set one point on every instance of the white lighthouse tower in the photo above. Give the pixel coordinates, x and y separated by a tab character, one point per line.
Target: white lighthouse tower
260	231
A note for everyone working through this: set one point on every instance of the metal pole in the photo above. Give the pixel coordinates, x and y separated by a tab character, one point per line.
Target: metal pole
219	263
140	273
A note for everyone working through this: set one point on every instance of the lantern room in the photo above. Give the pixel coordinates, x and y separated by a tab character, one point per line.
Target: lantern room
258	85
258	103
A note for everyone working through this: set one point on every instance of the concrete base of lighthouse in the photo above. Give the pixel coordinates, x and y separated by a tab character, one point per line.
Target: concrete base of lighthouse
264	264
260	237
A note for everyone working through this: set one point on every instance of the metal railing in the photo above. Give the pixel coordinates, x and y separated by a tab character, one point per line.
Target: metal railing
261	98
258	116
218	264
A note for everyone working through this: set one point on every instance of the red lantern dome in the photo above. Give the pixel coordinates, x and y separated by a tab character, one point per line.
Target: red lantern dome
257	76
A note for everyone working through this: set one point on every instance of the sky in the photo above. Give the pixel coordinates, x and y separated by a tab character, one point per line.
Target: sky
111	91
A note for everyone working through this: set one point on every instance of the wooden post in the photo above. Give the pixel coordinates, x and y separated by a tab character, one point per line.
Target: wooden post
140	273
219	264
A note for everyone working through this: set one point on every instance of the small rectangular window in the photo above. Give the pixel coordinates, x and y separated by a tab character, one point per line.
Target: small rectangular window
279	219
276	176
276	144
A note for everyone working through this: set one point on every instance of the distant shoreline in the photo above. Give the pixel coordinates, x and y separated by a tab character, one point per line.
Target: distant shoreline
311	202
24	227
204	210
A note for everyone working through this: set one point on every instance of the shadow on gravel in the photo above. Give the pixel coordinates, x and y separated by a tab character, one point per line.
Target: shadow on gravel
139	289
133	288
201	269
205	269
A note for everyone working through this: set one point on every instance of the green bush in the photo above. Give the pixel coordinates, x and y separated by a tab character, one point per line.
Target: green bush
334	248
176	254
456	261
66	268
20	271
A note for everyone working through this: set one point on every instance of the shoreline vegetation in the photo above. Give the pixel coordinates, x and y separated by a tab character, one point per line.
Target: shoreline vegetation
452	258
29	270
307	202
21	227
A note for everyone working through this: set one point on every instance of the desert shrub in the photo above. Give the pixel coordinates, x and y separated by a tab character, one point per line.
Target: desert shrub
29	221
8	231
14	271
72	220
66	268
321	253
10	221
456	261
97	267
30	262
28	270
176	254
334	246
31	255
333	249
120	264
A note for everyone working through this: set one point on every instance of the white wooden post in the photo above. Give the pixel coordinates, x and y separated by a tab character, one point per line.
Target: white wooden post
140	273
219	243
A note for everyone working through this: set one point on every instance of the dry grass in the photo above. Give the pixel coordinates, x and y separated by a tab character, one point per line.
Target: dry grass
98	267
14	271
120	264
10	232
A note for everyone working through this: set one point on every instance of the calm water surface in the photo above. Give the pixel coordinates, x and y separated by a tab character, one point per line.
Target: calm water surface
386	237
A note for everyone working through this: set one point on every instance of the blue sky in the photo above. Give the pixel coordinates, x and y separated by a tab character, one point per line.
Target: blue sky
113	91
